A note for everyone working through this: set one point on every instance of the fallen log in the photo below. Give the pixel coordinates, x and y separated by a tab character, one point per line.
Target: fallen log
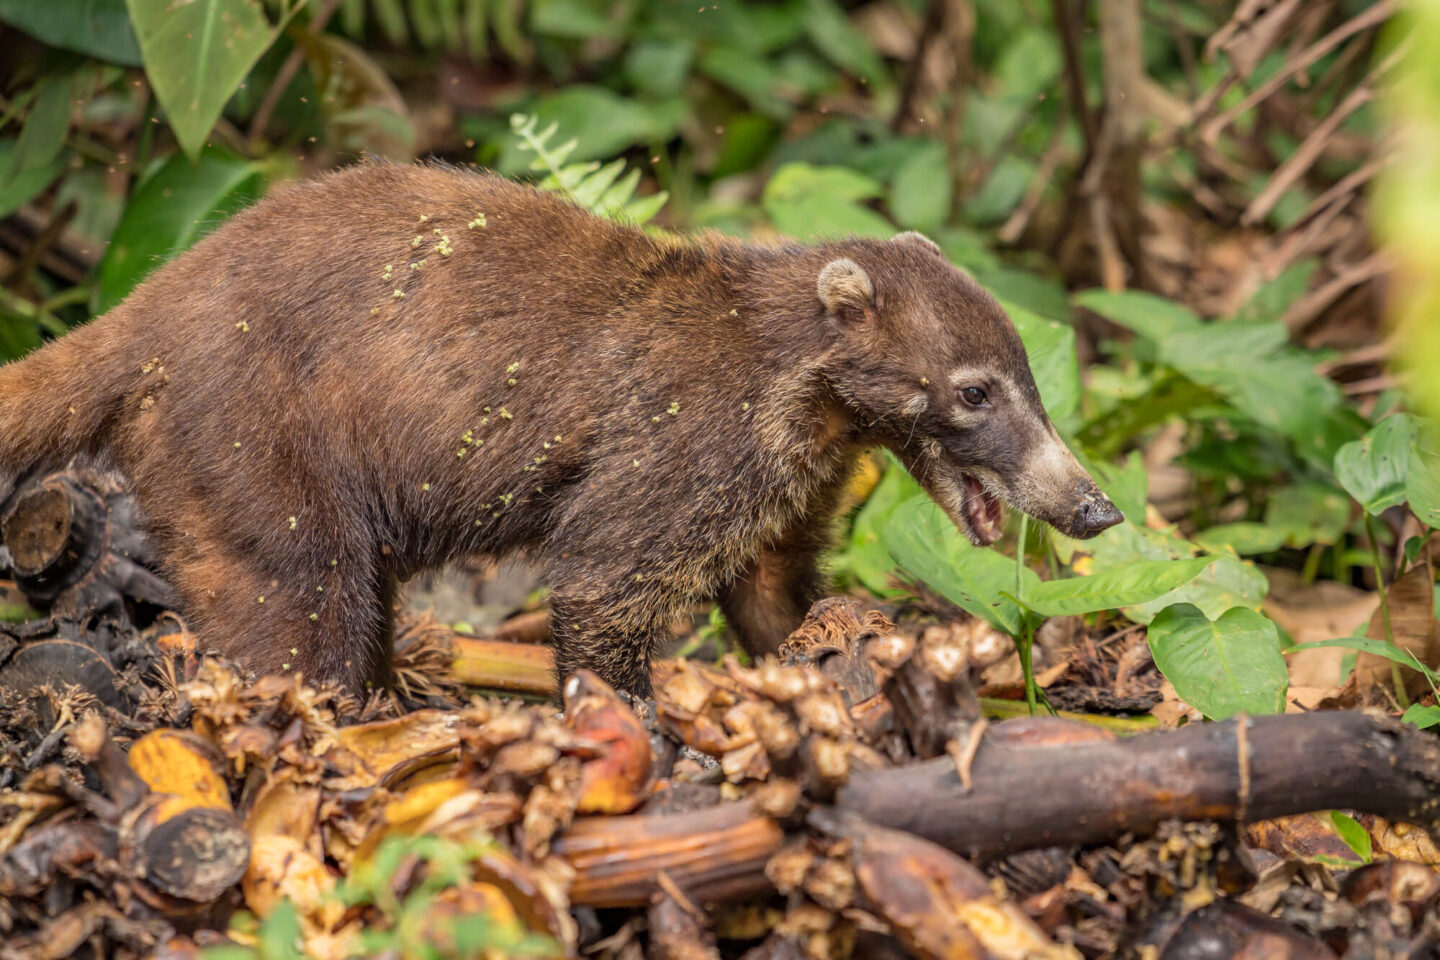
1029	791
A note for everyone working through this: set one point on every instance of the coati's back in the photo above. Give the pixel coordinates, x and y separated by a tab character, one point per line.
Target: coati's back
378	370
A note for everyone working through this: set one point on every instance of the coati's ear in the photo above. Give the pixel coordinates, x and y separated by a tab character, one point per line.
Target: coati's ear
913	239
846	290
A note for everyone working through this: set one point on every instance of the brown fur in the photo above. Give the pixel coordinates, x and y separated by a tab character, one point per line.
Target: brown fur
300	402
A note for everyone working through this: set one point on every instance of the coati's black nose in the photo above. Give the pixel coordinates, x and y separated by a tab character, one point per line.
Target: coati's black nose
1097	515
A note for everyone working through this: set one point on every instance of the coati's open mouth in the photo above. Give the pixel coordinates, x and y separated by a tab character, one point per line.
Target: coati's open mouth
982	512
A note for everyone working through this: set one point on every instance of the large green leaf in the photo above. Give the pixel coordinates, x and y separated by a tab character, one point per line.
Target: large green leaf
920	193
926	544
98	28
43	136
846	47
195	55
1050	347
1308	513
1373	469
1227	583
1243	539
1145	313
1422	482
170	211
601	122
24	187
810	202
865	556
1379	648
1224	666
1134	583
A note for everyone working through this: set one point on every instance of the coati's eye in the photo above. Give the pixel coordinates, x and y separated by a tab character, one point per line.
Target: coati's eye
973	396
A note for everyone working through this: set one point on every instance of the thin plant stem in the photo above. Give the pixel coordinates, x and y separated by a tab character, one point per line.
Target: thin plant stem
1025	643
1400	695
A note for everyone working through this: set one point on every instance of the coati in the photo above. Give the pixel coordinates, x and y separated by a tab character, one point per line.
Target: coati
390	367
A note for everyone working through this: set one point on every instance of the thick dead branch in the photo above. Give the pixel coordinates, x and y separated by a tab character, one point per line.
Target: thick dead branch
1029	791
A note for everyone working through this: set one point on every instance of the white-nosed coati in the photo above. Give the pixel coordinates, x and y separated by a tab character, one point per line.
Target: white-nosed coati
391	367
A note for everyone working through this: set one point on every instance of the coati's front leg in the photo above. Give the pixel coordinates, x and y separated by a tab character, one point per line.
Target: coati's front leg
770	598
608	621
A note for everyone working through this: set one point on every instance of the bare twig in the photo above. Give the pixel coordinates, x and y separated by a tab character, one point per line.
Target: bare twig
1371	17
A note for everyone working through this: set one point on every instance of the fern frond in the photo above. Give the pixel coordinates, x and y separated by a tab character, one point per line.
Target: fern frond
598	188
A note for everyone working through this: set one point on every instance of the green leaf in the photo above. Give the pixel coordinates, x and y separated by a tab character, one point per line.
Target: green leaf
1229	582
833	34
1308	513
43	135
1134	583
601	122
1356	837
280	933
1423	717
1144	313
1224	666
808	202
926	544
865	556
1242	539
196	54
920	193
16	192
1050	347
1002	190
98	28
169	212
1373	469
1422	482
1379	648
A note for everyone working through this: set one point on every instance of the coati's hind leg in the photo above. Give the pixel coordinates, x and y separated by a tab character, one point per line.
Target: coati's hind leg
770	598
331	624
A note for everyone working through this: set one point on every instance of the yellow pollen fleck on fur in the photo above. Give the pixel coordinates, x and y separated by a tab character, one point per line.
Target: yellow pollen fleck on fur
237	444
515	365
424	486
292	523
506	414
416	241
260	600
479	221
243	327
924	381
745	405
399	294
634	463
424	217
673	409
314	616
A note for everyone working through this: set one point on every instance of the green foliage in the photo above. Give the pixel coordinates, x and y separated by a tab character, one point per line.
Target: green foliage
171	210
823	202
1228	665
598	188
196	54
408	925
97	28
1356	837
1374	469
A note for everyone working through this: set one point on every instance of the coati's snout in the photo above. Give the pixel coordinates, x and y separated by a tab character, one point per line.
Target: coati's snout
940	374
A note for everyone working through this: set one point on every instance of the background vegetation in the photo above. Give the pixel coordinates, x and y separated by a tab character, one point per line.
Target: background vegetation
1172	197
